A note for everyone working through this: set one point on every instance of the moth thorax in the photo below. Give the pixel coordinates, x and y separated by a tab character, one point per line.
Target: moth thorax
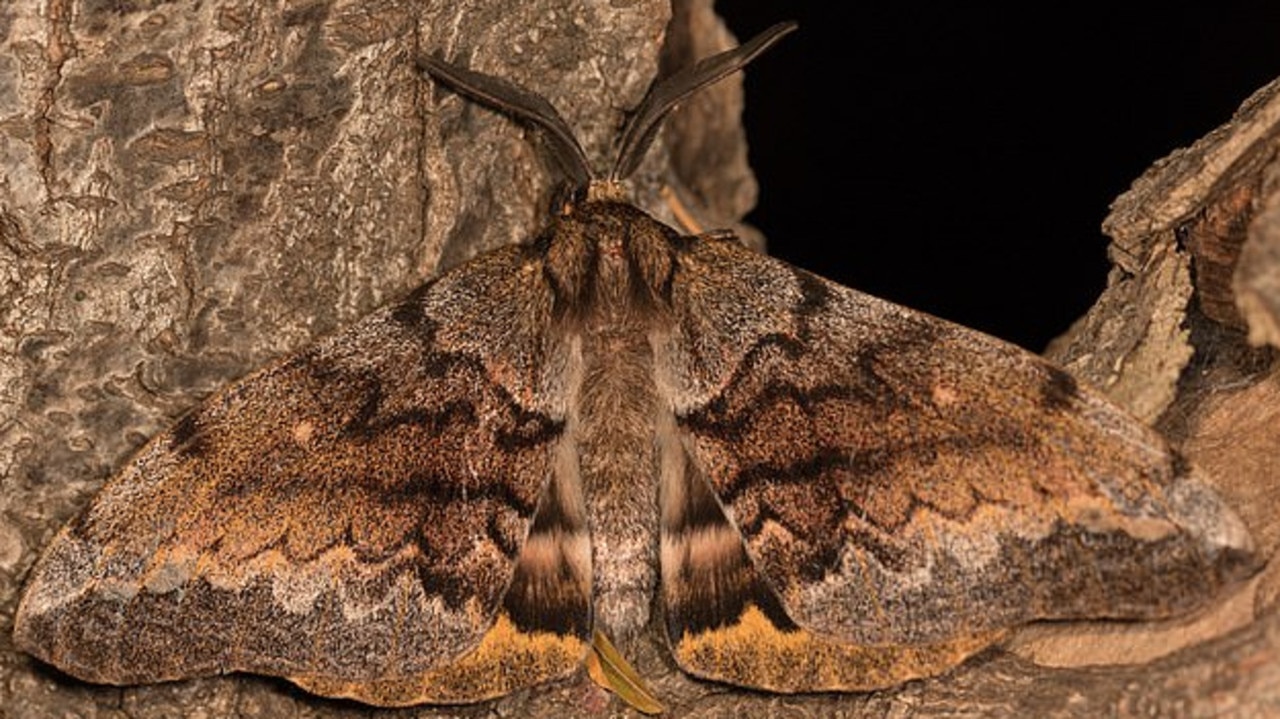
609	260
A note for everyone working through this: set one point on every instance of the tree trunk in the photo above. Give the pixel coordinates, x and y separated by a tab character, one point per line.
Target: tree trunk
193	188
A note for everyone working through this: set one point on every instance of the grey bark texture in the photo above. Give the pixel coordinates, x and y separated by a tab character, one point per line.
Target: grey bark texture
189	189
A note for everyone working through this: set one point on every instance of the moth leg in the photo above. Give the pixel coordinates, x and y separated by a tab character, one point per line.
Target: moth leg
687	221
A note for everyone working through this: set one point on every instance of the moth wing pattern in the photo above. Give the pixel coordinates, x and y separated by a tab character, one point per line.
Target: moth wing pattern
851	494
863	494
258	531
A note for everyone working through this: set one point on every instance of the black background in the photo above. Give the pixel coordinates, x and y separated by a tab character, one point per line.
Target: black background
961	161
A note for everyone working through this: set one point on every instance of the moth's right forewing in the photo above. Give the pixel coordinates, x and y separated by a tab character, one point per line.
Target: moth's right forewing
897	481
351	517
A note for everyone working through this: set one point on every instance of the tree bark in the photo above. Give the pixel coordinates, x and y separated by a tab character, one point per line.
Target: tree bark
193	188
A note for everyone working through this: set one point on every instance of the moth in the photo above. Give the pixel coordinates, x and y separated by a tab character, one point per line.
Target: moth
825	491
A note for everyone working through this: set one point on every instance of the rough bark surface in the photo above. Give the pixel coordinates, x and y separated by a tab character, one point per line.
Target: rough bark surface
188	189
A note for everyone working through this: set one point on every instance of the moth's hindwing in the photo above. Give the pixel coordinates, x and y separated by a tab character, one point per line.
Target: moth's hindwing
359	518
725	623
858	494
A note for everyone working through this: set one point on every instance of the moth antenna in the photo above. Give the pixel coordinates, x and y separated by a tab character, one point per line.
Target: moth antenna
664	95
509	98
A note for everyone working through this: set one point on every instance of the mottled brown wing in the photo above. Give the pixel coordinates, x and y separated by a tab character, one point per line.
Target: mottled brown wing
867	486
350	518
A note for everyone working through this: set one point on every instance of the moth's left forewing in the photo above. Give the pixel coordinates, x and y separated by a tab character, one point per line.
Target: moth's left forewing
901	489
366	518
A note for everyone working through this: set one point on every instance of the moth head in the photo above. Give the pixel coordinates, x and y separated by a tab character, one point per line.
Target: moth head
642	126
